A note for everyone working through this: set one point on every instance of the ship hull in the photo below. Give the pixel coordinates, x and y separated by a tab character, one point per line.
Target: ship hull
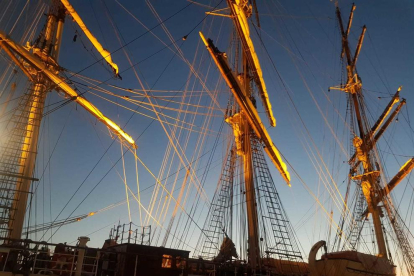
344	267
348	263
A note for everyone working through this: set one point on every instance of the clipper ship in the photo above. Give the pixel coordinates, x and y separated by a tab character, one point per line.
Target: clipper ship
246	231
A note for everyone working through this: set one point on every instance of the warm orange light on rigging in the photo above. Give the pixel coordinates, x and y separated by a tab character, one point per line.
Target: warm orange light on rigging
104	53
244	32
37	64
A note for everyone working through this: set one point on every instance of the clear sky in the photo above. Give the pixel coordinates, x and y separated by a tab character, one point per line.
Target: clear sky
303	42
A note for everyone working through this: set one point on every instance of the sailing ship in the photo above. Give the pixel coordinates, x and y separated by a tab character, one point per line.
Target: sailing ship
247	230
39	62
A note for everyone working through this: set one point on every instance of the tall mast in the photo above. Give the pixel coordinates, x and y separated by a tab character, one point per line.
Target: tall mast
241	11
40	64
362	142
247	125
251	205
363	171
48	47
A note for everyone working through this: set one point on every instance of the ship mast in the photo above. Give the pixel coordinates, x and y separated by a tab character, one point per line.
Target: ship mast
39	63
247	126
247	156
49	46
364	144
370	175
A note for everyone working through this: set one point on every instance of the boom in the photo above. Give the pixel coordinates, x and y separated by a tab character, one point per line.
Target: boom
248	108
38	65
104	53
238	11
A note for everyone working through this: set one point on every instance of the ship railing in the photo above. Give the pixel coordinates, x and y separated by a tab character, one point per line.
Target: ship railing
22	257
131	233
65	264
26	257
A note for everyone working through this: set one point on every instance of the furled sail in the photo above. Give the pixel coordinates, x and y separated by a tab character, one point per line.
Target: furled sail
104	53
238	9
60	82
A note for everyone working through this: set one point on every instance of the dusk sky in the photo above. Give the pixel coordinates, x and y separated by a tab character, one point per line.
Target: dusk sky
303	43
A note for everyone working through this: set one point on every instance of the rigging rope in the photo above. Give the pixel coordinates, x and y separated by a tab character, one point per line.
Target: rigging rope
125	181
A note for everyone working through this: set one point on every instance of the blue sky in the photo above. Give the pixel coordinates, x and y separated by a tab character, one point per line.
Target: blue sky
303	41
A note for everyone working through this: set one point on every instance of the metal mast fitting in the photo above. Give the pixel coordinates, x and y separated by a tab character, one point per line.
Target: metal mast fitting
379	127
